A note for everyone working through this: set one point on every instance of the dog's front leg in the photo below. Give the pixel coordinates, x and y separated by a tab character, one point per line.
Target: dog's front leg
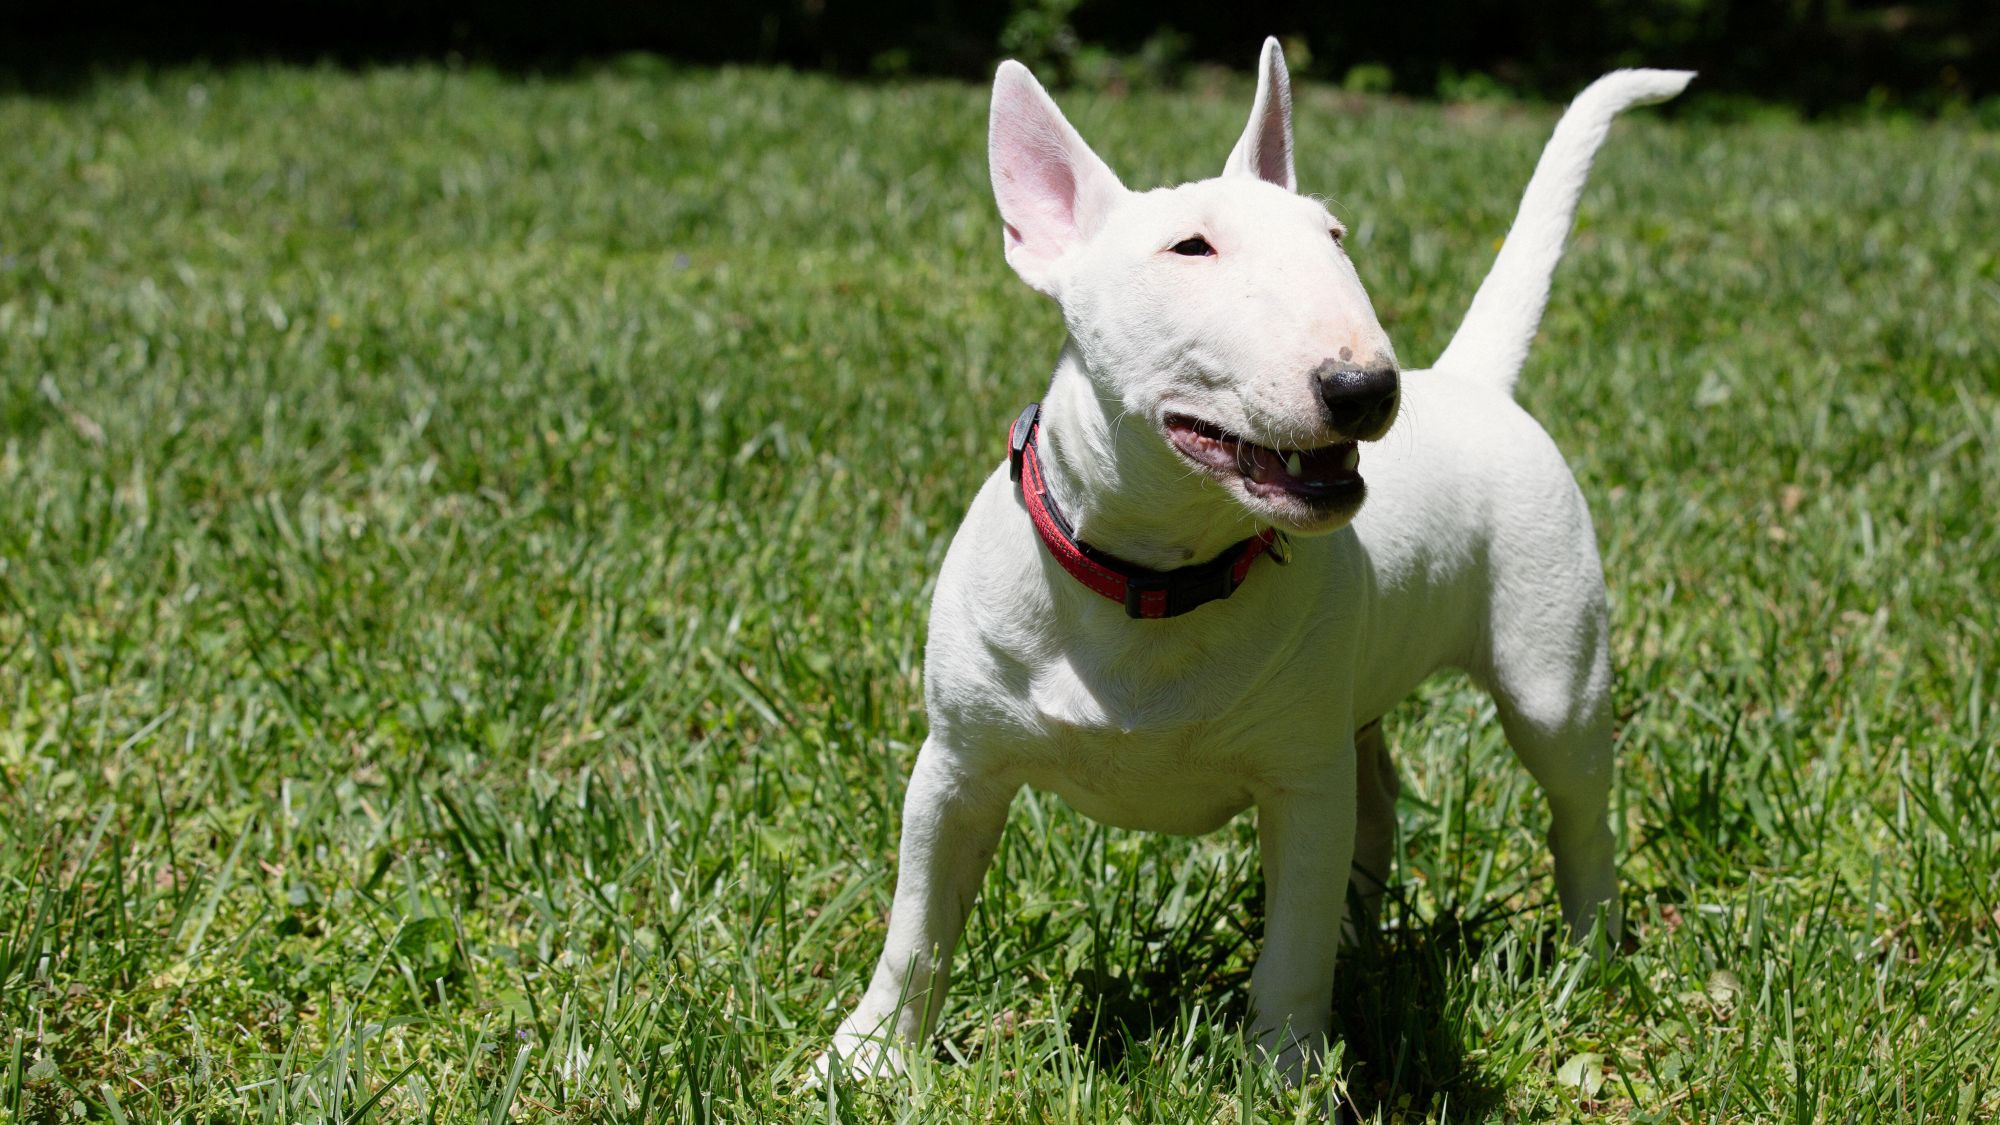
951	826
1307	839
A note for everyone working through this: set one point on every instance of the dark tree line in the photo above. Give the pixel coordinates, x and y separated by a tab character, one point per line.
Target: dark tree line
1818	54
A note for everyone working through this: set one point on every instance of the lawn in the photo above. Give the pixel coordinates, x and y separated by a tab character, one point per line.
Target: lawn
465	545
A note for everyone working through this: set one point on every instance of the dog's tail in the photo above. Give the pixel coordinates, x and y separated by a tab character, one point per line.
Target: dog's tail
1492	343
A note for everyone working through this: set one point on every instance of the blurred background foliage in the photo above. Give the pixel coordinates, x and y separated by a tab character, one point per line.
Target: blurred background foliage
1816	55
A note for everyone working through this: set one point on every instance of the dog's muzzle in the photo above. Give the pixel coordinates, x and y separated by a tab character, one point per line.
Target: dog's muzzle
1358	402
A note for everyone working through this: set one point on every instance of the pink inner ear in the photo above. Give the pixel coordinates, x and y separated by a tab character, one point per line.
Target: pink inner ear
1265	149
1274	147
1035	179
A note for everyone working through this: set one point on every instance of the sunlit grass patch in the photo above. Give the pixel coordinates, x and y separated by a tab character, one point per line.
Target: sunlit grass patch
464	553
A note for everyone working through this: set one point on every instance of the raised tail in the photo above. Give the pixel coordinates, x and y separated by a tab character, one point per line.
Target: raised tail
1492	342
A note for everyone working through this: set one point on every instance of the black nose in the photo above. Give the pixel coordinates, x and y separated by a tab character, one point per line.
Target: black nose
1359	402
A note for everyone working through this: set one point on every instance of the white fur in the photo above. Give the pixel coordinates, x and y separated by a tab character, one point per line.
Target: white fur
1474	551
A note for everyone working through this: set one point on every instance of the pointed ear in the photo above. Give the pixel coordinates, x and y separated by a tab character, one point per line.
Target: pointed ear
1265	150
1052	190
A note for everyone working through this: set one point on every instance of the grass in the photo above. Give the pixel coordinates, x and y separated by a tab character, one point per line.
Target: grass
464	551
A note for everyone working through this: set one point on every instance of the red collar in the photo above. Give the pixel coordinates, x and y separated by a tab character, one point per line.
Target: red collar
1143	592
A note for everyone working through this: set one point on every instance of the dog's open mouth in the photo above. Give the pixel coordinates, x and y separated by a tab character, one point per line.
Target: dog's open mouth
1317	476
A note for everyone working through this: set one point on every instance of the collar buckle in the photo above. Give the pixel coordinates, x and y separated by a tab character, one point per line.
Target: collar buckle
1183	590
1137	586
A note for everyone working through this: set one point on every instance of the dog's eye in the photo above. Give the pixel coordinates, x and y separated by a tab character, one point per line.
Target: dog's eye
1196	247
1339	234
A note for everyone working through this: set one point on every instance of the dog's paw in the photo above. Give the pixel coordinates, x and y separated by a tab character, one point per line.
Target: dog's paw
1297	1059
856	1058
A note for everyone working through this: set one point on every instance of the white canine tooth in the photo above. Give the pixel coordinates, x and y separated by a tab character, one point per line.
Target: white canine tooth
1292	464
1352	458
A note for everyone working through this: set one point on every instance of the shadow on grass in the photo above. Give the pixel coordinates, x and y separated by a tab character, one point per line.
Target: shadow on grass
1395	1008
1404	1023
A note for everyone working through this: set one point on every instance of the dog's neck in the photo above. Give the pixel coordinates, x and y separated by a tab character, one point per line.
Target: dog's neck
1123	490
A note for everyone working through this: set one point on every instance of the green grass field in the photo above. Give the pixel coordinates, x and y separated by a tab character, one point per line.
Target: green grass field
464	554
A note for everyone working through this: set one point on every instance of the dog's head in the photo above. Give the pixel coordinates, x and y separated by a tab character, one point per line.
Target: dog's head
1224	312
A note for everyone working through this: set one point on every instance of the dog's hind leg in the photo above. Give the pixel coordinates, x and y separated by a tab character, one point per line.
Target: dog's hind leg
1571	758
1374	822
1550	676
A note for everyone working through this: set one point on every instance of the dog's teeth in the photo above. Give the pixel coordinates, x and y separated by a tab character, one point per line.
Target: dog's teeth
1292	465
1351	459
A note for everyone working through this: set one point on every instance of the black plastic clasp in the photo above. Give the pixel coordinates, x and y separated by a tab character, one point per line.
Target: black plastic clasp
1187	589
1018	437
1137	585
1199	590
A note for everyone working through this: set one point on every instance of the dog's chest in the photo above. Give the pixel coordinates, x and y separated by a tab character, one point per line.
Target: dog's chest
1140	742
1170	725
1175	781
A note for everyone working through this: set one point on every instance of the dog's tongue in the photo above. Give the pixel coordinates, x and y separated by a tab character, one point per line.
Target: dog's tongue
1265	466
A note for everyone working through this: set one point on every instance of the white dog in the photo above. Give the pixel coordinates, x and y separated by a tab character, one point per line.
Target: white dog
1125	617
